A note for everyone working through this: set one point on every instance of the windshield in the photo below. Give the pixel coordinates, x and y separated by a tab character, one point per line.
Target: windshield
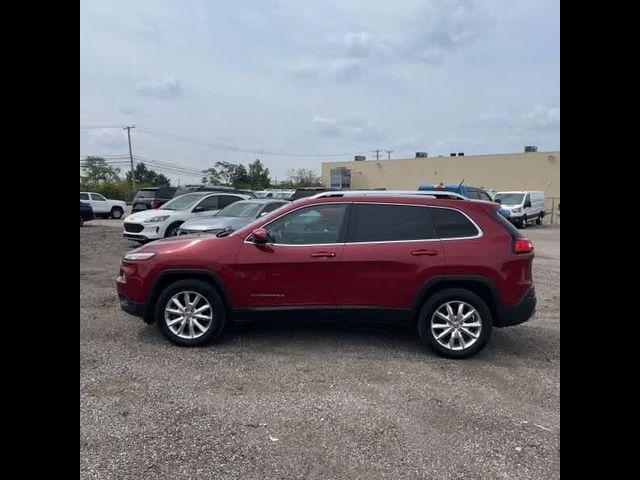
240	209
182	203
509	198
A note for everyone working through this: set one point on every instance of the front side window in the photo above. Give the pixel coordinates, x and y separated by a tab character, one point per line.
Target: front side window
97	197
388	223
308	226
208	204
452	224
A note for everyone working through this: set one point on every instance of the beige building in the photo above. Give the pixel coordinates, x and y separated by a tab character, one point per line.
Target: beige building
508	171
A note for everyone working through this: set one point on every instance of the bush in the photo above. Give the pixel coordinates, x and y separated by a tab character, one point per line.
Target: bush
113	190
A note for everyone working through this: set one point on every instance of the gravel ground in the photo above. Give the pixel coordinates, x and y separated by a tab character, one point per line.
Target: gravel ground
307	400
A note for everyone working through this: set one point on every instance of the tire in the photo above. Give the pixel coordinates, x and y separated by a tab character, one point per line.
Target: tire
217	312
454	296
523	222
116	212
81	221
172	230
539	220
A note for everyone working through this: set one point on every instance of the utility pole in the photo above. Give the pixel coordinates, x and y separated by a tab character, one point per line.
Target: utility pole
377	152
133	175
389	152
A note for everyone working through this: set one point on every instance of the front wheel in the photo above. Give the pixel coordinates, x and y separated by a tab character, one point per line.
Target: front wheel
190	313
455	323
172	230
523	222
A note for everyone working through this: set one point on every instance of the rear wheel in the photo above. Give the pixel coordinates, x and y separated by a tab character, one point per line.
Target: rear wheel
190	313
455	323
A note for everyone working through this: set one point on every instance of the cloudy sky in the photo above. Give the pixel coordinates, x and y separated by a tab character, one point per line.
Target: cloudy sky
295	83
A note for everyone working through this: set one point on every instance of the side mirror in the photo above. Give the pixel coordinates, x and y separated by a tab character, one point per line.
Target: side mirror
260	236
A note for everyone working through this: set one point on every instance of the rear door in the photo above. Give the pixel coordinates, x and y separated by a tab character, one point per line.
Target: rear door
390	251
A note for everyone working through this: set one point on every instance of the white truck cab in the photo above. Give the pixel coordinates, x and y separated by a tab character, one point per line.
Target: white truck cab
521	207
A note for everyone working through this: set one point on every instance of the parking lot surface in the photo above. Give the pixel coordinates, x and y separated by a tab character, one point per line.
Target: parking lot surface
313	400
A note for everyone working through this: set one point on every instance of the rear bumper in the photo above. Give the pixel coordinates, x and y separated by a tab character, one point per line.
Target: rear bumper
509	315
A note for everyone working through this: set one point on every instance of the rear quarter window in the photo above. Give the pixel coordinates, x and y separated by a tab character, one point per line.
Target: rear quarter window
451	223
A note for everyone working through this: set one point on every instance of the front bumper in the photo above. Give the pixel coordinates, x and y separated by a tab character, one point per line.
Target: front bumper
141	231
510	315
132	308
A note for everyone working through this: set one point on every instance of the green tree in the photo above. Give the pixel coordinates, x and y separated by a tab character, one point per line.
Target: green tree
222	173
303	177
96	170
240	177
259	175
147	177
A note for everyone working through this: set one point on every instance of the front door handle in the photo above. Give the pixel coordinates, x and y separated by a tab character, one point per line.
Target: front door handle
323	254
419	253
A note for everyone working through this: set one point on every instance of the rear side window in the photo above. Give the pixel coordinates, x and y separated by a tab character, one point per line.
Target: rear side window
84	196
473	194
387	223
452	224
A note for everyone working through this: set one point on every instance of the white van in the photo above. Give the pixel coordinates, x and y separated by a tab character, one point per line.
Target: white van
521	208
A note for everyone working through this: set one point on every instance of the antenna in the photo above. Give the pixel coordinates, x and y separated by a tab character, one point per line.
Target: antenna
460	184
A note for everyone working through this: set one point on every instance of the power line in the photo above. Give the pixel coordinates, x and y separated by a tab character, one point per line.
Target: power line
98	127
377	152
253	151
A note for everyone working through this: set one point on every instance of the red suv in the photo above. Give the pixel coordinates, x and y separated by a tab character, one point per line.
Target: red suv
455	267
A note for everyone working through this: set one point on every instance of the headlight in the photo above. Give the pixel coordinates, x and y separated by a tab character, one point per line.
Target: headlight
156	219
517	210
132	257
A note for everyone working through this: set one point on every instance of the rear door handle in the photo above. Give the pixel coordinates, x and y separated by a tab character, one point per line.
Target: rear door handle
419	253
323	254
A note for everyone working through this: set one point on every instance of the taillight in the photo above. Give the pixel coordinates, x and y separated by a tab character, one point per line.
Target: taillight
155	203
522	245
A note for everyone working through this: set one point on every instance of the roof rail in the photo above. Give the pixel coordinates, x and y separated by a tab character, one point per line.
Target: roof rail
392	193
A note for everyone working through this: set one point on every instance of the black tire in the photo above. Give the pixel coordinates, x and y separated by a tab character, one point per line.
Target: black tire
172	230
81	221
523	222
539	220
439	299
116	212
219	315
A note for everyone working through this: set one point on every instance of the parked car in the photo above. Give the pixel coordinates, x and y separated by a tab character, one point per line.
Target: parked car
234	216
164	222
148	198
211	188
308	192
455	268
472	193
103	207
521	207
86	213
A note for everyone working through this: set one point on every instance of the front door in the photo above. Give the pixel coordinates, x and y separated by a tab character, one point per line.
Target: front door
299	264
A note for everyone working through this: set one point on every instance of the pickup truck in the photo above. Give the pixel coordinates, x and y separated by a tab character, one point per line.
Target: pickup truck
103	207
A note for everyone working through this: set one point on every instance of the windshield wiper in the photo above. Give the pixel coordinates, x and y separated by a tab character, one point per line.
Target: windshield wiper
225	232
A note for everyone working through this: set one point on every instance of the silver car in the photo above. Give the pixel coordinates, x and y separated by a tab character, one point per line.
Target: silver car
232	217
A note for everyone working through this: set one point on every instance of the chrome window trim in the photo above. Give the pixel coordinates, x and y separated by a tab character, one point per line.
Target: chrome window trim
480	231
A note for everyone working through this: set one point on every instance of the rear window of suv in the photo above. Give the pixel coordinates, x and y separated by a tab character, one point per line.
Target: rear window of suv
451	223
388	223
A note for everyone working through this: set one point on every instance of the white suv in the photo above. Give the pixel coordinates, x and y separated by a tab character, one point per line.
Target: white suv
165	221
103	207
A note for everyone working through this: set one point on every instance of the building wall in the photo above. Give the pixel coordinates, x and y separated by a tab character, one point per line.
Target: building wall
510	171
